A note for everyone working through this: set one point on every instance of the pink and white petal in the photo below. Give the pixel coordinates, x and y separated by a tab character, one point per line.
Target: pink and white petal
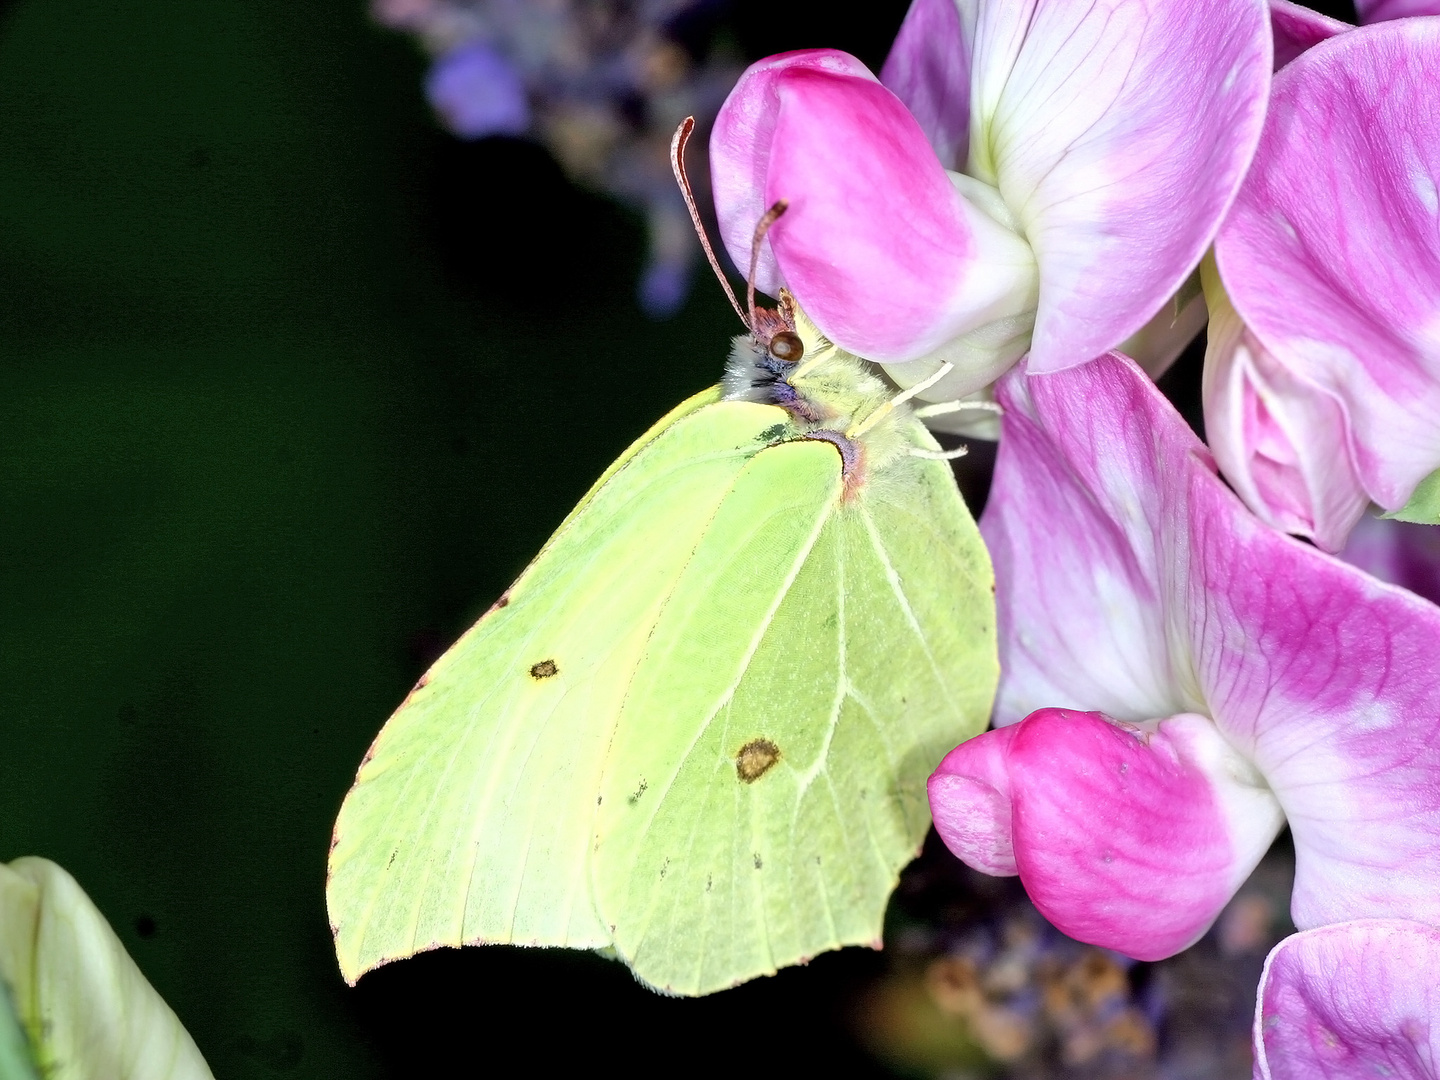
1296	28
1373	11
1326	679
1118	133
970	802
929	70
879	247
882	251
1282	441
1131	837
1086	540
1399	552
1320	675
1353	1001
1336	270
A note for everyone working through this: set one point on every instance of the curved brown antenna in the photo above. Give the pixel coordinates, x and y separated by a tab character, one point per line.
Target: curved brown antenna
771	216
677	163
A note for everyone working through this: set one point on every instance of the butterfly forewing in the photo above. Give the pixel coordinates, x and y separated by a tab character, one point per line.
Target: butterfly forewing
473	816
941	590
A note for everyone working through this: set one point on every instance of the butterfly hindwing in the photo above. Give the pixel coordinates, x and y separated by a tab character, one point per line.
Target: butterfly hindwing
678	831
770	821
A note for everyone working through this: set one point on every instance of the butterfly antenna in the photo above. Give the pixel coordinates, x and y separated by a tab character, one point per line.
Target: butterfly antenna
677	163
771	216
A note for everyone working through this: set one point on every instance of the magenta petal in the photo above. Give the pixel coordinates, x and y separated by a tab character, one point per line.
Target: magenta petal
1336	269
970	801
929	70
878	246
1324	678
1132	837
1117	132
740	147
1120	836
1297	28
1352	1001
875	243
1373	11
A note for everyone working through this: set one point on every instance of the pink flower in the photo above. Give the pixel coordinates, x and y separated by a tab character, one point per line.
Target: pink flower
1178	680
1032	174
1353	1001
1322	381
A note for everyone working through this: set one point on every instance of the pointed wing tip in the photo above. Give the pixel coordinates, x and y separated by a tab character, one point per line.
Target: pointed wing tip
350	969
353	965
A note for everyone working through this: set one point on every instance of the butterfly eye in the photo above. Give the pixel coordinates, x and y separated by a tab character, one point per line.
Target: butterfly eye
786	345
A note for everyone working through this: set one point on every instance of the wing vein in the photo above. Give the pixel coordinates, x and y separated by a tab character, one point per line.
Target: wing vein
898	590
741	668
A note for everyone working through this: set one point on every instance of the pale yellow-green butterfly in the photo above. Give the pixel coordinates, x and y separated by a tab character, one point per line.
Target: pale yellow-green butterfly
695	733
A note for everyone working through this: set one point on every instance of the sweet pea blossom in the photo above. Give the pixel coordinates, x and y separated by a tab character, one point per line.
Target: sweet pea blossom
1352	1001
1322	375
1025	175
1178	680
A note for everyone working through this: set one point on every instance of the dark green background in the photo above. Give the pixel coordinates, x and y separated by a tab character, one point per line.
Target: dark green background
291	386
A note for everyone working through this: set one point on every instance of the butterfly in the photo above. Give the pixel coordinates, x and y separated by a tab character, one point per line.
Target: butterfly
695	733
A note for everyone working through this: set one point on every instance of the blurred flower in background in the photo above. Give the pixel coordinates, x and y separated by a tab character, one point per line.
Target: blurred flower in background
602	84
1401	552
979	984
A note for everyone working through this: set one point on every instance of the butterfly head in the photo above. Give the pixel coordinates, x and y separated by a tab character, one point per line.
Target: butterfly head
776	332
